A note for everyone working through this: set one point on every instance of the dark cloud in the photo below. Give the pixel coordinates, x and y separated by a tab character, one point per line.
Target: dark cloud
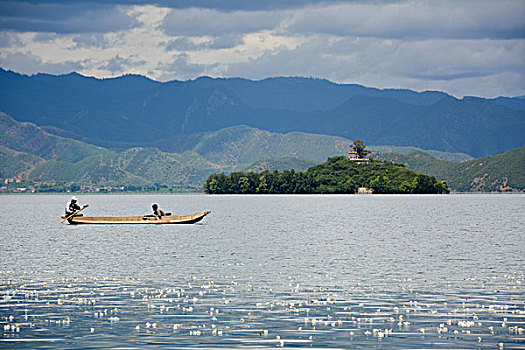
450	60
117	64
203	22
385	19
183	44
415	20
255	5
221	5
411	20
63	17
92	40
225	41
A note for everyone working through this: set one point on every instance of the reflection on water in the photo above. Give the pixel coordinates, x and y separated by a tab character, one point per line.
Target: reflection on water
339	272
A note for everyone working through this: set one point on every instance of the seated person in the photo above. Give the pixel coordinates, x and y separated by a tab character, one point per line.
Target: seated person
157	211
72	207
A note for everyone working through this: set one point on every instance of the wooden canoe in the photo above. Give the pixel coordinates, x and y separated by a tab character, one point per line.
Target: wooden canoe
145	219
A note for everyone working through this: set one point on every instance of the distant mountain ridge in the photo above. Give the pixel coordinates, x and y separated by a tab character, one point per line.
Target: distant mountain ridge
28	151
134	111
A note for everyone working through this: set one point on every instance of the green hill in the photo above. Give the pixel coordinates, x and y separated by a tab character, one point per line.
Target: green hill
503	172
422	162
89	172
15	164
134	168
29	138
245	145
336	175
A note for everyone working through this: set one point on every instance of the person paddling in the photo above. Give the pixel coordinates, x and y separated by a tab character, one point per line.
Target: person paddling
157	211
73	206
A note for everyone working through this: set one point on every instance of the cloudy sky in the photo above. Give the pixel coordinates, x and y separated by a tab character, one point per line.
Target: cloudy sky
461	47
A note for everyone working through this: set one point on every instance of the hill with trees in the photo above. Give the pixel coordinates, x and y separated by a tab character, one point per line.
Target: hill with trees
500	173
336	175
15	164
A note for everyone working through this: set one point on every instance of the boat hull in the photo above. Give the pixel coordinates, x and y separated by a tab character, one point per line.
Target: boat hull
138	220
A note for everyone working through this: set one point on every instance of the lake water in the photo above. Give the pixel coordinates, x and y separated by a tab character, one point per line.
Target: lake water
336	272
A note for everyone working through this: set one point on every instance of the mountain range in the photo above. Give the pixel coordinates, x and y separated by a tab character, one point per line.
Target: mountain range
132	110
28	151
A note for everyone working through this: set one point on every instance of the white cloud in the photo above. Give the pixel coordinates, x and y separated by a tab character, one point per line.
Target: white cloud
32	64
8	39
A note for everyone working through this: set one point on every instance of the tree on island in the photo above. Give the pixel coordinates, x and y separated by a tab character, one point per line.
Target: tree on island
360	148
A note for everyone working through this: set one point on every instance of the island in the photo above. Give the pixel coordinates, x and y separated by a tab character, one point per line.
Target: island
352	173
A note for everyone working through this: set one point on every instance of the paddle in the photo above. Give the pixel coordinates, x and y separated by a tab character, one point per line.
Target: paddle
78	211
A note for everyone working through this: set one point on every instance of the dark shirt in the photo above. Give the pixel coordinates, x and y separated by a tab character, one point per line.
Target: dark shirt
71	208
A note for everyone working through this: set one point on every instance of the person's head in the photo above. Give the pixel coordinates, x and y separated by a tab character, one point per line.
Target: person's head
73	199
154	206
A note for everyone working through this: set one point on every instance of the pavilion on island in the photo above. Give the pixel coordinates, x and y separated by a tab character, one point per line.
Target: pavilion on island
352	155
